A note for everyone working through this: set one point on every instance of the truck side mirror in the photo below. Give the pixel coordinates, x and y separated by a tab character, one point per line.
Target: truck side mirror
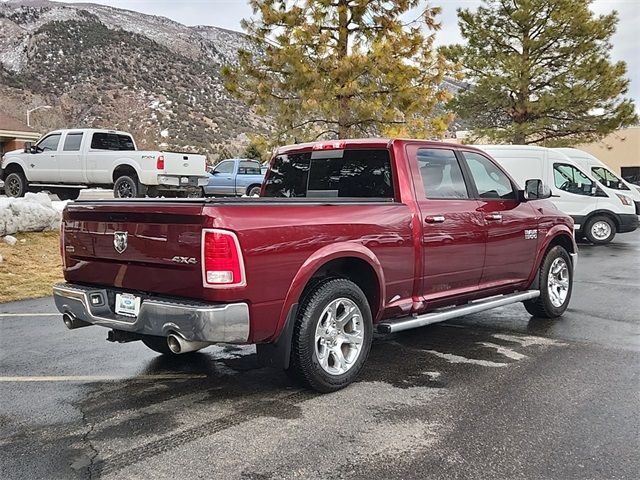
27	147
534	189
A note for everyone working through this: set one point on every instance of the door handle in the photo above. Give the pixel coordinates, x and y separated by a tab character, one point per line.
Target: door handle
434	219
496	217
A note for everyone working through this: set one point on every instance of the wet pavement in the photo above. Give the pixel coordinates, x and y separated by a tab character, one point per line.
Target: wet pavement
493	395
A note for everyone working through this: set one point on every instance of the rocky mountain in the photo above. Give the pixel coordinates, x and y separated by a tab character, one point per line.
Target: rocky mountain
107	67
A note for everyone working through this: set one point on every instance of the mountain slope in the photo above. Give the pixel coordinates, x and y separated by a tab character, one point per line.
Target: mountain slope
108	67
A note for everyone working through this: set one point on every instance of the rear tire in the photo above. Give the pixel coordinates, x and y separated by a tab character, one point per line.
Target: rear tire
332	336
600	230
555	282
254	190
126	186
157	344
15	185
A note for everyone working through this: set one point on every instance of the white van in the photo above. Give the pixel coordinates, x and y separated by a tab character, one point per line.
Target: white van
598	214
603	174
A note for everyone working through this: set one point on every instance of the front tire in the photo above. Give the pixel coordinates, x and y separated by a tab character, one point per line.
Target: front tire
332	336
126	187
600	230
555	282
15	185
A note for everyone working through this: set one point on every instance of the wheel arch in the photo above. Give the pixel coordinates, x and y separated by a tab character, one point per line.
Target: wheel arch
12	167
250	186
345	260
602	212
557	235
124	169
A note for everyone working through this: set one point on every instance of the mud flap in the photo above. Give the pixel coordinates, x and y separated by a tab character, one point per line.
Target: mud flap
278	353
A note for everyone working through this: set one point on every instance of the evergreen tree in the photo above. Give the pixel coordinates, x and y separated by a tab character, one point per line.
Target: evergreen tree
342	68
539	72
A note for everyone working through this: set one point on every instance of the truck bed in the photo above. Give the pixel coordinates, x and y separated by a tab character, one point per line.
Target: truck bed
276	235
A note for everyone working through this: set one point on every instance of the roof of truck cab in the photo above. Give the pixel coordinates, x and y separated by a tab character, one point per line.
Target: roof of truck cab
365	143
88	130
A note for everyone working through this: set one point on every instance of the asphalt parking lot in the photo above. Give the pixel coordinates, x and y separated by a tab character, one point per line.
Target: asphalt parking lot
494	395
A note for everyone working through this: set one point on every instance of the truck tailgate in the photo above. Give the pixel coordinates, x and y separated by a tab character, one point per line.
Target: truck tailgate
153	247
184	164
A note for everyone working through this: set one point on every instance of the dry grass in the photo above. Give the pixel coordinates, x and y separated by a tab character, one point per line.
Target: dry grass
30	268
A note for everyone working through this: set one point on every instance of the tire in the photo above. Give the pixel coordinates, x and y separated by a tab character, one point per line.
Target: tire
157	344
68	193
320	358
600	230
126	186
15	185
254	190
554	299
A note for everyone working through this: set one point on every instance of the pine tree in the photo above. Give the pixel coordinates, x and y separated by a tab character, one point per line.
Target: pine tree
540	72
342	68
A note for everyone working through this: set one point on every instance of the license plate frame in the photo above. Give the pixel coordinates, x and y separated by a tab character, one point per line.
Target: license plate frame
128	305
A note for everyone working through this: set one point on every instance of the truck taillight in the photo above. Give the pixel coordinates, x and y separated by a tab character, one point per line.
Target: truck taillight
160	162
222	263
62	249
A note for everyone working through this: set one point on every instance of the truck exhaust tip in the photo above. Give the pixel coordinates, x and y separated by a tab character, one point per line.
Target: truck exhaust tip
71	322
178	345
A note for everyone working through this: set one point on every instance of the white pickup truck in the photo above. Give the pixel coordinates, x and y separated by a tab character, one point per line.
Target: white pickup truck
65	161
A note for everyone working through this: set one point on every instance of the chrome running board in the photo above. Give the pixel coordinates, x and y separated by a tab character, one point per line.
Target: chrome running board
407	323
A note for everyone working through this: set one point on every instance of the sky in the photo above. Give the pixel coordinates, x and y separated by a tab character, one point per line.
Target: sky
229	13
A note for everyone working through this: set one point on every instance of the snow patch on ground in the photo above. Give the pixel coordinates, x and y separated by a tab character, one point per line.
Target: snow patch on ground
35	212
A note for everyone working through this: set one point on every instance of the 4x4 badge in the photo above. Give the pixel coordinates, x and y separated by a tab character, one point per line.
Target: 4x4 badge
120	241
530	234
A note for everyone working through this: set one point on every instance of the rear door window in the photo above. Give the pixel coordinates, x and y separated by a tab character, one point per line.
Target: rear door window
441	174
49	143
72	142
331	174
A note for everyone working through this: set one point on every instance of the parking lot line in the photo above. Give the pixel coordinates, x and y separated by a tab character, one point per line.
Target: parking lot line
98	378
29	314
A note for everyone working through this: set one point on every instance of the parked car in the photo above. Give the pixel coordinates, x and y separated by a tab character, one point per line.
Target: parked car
603	174
235	177
65	161
348	237
599	213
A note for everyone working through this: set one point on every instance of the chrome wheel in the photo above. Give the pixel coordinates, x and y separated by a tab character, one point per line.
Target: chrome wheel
339	336
601	230
558	282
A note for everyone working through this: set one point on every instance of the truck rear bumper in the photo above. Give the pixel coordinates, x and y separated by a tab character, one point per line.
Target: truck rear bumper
177	181
158	316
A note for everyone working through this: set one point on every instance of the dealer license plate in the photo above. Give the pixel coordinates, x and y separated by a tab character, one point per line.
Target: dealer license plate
127	304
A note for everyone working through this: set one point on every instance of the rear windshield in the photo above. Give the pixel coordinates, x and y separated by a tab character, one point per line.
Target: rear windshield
111	141
249	168
331	174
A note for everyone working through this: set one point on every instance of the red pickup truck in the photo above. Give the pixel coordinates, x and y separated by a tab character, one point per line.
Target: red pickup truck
348	236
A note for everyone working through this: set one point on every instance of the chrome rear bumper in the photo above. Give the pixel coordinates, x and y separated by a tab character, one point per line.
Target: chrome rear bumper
226	323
